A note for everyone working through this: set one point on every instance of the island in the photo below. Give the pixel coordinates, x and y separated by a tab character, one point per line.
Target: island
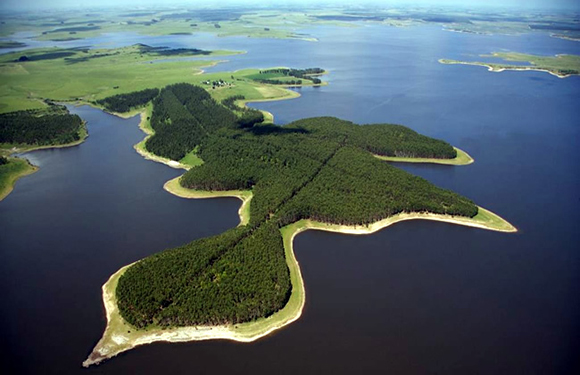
561	66
317	173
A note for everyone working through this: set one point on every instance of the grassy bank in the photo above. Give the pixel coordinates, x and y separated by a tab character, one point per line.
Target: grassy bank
11	172
462	158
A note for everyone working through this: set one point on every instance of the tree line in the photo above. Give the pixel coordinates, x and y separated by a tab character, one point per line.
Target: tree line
298	73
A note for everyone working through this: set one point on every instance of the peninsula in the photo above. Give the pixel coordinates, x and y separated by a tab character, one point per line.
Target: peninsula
123	81
561	66
317	173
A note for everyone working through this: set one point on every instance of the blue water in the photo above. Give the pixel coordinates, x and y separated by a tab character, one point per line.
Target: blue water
419	297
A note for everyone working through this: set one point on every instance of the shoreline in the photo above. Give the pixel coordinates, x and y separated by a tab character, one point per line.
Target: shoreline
84	134
12	179
268	116
173	187
119	336
145	127
491	68
462	158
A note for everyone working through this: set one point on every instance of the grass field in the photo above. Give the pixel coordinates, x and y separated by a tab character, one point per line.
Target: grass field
25	84
11	172
124	70
560	65
255	24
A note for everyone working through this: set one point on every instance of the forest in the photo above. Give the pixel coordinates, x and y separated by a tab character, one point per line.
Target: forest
248	117
125	102
183	116
51	126
318	168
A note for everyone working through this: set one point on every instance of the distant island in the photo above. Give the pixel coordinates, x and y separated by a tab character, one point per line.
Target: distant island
561	66
318	173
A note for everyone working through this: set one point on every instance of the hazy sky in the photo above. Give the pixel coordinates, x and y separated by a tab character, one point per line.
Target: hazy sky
42	4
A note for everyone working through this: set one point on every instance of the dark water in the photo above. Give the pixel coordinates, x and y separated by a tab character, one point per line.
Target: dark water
416	298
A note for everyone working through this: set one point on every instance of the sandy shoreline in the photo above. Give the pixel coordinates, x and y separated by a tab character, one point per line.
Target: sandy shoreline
173	187
462	158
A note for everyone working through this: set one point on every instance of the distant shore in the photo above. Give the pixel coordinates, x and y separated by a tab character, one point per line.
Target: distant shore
497	69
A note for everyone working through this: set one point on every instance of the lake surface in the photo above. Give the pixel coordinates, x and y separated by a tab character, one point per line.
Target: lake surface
415	298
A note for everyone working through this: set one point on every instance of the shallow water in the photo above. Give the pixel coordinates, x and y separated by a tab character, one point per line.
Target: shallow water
418	297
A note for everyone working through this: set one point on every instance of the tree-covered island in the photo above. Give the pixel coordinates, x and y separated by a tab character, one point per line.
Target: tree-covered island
318	173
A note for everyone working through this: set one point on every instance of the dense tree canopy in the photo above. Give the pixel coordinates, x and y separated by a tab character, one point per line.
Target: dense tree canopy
318	168
125	102
54	126
183	116
248	117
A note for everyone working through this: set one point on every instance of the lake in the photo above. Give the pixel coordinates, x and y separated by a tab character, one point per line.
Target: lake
417	297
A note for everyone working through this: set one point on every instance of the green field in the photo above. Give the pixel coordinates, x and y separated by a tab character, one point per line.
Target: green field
104	73
276	23
559	65
11	172
256	24
123	70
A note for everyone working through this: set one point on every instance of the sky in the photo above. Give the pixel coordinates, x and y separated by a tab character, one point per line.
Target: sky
43	4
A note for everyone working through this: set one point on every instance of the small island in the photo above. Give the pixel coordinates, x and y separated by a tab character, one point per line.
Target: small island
318	173
561	66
